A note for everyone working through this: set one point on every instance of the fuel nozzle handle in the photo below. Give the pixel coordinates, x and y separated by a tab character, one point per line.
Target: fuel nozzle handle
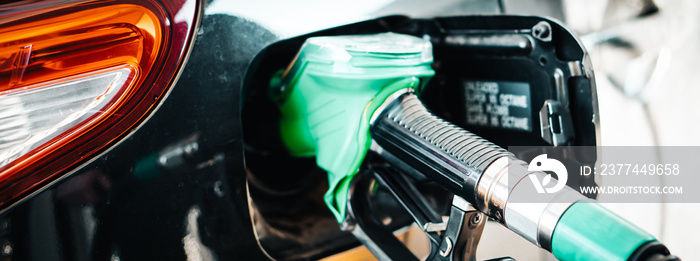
566	223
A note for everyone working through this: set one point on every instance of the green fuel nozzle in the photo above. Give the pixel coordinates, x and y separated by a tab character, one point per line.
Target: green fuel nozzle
345	95
330	91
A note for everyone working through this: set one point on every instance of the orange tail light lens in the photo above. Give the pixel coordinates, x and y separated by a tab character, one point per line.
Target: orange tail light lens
76	76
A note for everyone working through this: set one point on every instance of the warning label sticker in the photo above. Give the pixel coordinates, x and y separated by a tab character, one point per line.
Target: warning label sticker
498	104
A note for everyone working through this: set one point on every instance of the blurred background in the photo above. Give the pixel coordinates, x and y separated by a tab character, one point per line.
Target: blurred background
644	54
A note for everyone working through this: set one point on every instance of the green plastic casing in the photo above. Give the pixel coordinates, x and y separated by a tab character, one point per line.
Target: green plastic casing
329	93
588	231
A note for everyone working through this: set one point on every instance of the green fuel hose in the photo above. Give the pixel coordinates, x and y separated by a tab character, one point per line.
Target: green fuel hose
565	222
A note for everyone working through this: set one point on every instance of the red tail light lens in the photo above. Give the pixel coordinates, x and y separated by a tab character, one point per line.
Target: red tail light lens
76	76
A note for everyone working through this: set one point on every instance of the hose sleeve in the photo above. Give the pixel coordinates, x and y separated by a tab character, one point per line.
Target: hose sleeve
443	152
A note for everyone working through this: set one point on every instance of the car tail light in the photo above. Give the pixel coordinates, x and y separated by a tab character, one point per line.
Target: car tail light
76	76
